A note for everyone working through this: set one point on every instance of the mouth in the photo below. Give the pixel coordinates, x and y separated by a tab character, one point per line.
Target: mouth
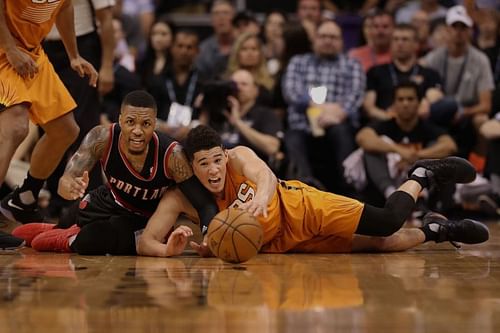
136	143
214	181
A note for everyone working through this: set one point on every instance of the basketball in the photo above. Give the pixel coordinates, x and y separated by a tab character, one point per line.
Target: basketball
234	235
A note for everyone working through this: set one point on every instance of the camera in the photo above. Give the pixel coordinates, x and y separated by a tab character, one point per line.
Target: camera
215	94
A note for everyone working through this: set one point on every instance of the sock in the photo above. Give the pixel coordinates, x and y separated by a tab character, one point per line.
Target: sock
430	231
28	192
420	176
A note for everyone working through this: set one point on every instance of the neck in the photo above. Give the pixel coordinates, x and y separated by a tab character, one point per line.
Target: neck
380	48
181	68
407	125
405	64
225	38
245	107
457	50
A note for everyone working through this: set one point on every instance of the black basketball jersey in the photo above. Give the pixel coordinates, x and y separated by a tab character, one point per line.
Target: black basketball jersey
139	192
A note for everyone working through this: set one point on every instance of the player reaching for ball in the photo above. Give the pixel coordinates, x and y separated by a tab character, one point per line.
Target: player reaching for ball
296	217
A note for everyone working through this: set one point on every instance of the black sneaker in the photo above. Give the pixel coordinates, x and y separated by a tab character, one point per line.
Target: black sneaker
12	208
9	242
464	231
448	170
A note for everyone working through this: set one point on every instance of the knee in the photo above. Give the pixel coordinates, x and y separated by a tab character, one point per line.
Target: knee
17	126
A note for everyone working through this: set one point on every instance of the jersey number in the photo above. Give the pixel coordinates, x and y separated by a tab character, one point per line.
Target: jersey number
245	193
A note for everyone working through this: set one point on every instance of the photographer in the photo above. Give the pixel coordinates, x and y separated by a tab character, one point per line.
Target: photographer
242	121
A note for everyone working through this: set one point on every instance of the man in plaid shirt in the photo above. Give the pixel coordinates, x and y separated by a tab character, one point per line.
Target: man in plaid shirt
337	117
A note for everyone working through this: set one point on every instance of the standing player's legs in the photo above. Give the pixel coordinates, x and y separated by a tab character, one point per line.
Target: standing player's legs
51	105
13	130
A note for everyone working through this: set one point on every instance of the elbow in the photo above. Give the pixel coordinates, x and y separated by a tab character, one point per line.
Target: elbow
273	146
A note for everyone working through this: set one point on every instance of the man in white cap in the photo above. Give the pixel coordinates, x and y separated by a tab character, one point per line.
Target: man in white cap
467	82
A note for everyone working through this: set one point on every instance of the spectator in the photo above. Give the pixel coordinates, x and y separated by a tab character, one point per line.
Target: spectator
309	15
341	81
468	82
177	89
214	51
273	39
245	122
420	20
138	17
382	79
247	53
245	21
378	51
431	7
157	53
411	139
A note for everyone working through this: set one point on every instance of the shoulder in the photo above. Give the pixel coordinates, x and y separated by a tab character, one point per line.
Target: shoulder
241	155
99	133
478	56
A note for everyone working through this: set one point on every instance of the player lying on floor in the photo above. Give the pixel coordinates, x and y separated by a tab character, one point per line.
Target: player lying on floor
299	218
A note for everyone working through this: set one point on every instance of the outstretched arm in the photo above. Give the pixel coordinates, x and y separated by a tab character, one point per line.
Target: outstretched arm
191	187
74	181
65	23
153	240
247	163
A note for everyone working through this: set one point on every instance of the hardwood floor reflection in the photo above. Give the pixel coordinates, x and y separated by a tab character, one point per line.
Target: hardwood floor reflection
433	288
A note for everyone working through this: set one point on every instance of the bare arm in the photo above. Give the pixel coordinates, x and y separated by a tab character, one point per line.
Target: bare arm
152	241
370	141
484	105
265	142
247	163
22	63
106	33
444	146
7	42
371	109
71	184
65	24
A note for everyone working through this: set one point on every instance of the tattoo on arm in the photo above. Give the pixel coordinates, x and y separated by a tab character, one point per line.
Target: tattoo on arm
178	165
90	151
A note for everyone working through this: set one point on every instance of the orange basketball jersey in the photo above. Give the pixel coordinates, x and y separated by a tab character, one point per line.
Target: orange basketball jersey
300	217
29	21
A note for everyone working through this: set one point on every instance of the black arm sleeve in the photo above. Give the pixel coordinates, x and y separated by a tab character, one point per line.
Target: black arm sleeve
201	199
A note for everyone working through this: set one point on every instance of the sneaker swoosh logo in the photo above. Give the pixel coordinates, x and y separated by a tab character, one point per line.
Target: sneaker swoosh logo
12	204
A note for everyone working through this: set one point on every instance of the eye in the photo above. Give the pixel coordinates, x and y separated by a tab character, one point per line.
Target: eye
147	124
129	122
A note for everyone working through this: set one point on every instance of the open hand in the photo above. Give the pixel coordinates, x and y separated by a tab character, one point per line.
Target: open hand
178	239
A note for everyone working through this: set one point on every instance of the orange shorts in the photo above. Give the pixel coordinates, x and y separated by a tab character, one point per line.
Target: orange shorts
48	97
314	221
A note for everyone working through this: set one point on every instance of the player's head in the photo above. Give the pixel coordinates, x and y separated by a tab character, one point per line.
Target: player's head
137	121
203	147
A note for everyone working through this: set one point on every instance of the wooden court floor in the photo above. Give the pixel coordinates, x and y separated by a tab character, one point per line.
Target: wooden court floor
433	288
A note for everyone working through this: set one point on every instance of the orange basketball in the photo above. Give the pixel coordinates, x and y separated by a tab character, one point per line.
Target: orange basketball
234	235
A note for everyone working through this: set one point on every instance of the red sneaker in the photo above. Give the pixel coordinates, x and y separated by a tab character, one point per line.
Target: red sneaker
31	230
55	240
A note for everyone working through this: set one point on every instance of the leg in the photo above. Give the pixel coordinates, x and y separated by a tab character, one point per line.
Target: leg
59	135
115	236
401	240
13	130
378	172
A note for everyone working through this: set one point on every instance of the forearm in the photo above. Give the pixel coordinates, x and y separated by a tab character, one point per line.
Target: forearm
266	184
373	143
65	24
6	40
105	18
264	142
444	147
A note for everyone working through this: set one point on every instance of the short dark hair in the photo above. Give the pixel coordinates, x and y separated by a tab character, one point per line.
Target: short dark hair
141	99
199	138
188	32
407	27
407	84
